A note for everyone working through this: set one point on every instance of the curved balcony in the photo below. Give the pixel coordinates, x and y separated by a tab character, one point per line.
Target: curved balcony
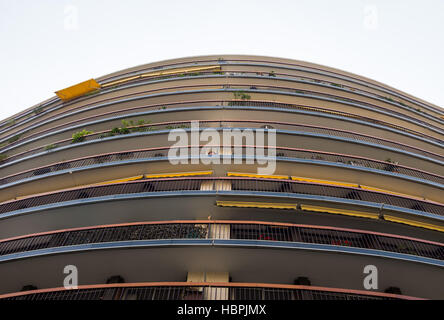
281	152
246	103
305	129
50	125
245	65
273	62
234	88
332	73
257	232
201	291
228	185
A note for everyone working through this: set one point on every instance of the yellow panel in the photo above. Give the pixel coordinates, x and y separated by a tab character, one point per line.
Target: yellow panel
119	81
181	70
178	174
414	223
120	180
253	175
391	192
242	204
338	183
161	73
90	185
78	90
341	211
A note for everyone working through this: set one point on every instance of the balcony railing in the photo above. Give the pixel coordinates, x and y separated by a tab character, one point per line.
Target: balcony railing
287	66
293	153
265	89
240	230
305	78
253	103
350	135
201	291
216	184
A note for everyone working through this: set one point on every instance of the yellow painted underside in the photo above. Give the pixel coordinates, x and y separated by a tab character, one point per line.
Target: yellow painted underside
253	175
178	174
163	73
121	180
414	223
336	183
266	205
341	211
78	90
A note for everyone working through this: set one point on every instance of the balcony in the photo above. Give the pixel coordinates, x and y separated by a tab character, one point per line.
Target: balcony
301	156
60	123
255	231
201	291
237	186
310	137
307	80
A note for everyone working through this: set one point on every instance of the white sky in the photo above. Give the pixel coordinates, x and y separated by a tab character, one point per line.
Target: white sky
47	45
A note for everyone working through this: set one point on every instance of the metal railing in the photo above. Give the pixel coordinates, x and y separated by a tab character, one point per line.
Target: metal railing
281	152
250	88
218	184
244	124
305	78
217	102
202	291
240	230
288	66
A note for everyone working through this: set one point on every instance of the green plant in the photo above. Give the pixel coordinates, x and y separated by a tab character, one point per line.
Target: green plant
125	123
182	126
241	95
80	136
38	109
272	74
51	146
337	85
402	103
124	130
14	138
117	130
3	157
11	122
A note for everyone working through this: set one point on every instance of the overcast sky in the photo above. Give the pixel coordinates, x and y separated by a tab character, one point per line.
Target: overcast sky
47	45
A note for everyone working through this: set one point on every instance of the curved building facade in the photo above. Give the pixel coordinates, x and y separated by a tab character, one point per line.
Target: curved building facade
224	177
